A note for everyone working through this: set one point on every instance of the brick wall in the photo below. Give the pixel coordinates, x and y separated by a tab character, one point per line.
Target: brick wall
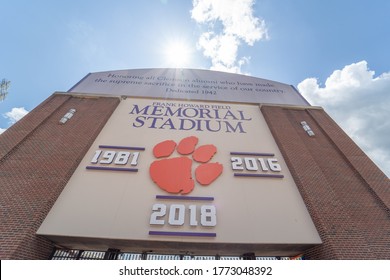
345	192
37	158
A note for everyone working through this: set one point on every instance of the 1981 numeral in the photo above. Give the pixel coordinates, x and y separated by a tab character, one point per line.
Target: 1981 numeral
119	158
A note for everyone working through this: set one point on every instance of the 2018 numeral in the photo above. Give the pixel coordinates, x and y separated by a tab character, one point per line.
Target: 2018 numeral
177	215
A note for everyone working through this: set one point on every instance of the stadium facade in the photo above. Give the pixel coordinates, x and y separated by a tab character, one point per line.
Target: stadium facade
187	162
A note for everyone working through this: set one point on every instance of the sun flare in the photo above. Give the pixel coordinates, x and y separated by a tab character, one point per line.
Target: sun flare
177	54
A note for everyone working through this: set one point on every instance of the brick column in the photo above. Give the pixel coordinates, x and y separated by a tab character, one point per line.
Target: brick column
337	182
37	158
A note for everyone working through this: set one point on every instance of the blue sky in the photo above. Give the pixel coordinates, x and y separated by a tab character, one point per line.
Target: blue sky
336	52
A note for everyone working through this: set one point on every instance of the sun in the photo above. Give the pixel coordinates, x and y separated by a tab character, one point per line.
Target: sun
177	54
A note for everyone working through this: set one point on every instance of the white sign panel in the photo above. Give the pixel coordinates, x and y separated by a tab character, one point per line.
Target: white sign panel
189	84
183	176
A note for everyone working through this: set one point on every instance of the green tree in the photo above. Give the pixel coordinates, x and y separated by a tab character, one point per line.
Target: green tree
4	86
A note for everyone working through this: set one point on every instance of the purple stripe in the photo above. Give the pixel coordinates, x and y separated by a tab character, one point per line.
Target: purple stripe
112	168
122	147
258	175
183	233
252	154
203	198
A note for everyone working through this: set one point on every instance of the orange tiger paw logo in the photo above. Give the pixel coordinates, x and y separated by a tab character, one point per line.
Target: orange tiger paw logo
174	175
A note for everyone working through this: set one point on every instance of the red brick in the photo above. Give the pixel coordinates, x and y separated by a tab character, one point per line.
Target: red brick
345	193
38	156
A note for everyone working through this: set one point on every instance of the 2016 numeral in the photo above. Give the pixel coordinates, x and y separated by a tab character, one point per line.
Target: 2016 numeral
253	164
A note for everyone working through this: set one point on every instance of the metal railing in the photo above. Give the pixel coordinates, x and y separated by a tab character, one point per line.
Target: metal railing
113	254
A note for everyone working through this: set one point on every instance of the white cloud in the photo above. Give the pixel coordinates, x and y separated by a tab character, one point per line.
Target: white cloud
2	130
238	25
360	103
15	114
